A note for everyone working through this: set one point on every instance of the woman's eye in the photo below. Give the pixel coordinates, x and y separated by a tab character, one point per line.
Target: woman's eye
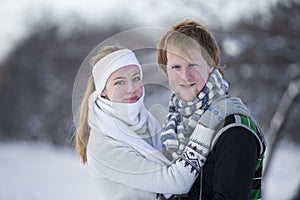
119	82
137	78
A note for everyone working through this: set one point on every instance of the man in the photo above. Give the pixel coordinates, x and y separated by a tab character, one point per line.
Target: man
189	56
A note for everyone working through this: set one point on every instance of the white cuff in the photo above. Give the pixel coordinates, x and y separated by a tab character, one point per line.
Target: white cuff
203	135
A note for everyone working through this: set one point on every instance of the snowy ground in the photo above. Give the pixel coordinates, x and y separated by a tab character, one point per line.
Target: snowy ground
282	182
31	171
35	171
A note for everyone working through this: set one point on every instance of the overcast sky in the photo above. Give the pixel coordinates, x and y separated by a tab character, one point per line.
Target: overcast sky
17	16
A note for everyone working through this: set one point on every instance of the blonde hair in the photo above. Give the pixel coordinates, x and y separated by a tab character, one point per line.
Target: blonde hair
185	35
83	130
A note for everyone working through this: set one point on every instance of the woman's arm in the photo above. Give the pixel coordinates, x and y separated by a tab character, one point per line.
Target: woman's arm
113	160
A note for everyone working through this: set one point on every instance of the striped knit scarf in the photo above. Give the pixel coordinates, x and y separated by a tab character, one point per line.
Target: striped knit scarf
183	116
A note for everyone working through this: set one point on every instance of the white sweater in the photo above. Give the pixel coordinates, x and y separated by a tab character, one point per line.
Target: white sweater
123	173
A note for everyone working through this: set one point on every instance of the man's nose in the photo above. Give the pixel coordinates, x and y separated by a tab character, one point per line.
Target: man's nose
186	73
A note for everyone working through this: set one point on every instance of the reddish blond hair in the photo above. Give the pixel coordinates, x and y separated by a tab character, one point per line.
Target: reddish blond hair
182	36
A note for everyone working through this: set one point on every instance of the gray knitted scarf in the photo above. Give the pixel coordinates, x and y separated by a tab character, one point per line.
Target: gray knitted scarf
183	116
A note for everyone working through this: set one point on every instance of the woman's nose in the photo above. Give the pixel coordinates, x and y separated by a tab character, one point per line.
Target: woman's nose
130	87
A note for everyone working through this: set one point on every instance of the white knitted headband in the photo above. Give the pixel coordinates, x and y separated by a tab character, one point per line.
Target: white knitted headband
110	63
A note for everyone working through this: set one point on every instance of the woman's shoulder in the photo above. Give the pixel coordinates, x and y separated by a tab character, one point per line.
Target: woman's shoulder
103	142
102	146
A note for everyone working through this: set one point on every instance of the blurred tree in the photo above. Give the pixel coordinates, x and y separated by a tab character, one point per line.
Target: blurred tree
37	78
267	62
37	81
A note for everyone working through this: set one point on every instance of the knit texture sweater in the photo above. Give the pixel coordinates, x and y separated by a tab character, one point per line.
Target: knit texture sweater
121	172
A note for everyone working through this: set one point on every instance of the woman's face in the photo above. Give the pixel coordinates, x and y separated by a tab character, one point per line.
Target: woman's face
124	85
187	74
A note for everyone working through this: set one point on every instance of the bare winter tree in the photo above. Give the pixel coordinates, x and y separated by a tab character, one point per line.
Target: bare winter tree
280	117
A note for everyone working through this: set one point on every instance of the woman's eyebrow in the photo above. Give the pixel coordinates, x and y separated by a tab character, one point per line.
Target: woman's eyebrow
138	73
119	77
123	77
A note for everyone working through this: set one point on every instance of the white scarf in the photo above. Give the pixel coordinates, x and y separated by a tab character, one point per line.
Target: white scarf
120	121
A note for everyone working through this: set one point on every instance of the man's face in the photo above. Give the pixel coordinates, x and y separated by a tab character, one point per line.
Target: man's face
187	74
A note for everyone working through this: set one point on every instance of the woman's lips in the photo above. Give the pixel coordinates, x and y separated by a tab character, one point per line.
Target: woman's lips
132	99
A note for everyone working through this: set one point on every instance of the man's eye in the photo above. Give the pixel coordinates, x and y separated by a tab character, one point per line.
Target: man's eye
176	67
193	65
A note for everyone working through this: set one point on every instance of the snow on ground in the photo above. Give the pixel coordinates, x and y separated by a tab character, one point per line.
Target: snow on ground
39	171
34	171
283	178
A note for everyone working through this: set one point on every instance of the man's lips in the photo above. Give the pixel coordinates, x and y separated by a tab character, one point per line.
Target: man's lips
189	85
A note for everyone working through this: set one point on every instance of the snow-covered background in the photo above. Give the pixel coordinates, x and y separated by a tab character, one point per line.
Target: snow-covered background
39	171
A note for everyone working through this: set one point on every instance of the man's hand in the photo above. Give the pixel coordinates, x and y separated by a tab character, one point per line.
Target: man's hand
220	109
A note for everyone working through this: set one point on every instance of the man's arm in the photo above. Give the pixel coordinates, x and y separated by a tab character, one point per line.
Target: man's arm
236	157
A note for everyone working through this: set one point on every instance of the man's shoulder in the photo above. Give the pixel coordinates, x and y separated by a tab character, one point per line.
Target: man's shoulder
241	126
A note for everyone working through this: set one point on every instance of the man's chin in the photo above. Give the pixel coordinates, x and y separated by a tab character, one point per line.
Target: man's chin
187	96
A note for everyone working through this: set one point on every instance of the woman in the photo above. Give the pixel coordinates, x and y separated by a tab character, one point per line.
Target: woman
117	137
